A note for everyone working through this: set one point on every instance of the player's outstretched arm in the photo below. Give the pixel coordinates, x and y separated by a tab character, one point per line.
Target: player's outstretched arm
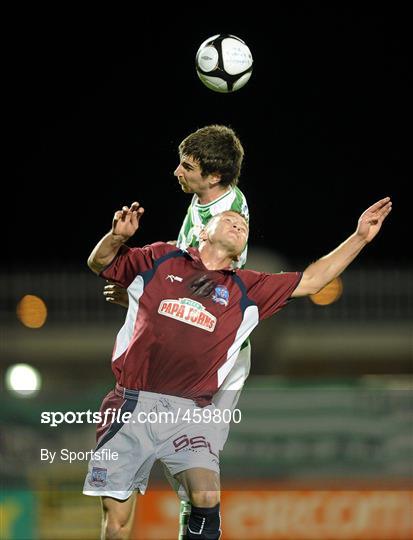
124	225
318	274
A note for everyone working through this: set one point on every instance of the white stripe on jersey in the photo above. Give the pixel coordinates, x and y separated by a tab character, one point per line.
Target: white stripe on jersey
248	323
135	291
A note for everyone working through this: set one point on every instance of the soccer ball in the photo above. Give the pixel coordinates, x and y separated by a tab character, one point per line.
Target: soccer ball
224	63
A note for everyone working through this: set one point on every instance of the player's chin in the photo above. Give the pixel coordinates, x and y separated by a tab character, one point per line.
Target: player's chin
234	249
235	241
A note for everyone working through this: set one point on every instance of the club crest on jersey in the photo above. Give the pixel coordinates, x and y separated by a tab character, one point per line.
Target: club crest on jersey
189	312
221	295
98	477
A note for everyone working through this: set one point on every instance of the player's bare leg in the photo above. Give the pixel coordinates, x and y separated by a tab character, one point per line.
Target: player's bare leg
117	518
203	489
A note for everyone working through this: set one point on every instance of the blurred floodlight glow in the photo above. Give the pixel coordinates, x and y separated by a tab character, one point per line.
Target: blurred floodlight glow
23	380
32	311
328	294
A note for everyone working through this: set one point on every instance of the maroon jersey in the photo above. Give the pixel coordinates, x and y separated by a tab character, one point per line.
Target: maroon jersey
185	324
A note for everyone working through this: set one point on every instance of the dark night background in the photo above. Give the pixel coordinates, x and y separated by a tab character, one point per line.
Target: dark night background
97	105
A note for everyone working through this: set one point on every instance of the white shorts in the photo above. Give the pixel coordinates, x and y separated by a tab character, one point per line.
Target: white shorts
149	435
226	398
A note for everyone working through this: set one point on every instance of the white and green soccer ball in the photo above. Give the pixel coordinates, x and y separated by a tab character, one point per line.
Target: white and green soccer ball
224	63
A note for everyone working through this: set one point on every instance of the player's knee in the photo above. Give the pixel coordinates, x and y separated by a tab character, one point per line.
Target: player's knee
114	529
204	498
204	524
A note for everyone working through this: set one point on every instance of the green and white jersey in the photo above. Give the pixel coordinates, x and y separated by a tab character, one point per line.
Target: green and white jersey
198	216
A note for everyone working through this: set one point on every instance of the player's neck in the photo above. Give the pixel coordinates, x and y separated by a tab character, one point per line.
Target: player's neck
212	193
214	257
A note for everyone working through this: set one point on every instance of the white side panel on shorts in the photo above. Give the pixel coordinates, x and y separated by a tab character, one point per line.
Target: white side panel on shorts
248	323
135	291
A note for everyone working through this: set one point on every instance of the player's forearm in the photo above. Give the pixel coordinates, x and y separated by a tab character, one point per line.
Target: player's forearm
105	251
332	265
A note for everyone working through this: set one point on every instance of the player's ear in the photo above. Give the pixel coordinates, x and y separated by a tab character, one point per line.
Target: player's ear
214	179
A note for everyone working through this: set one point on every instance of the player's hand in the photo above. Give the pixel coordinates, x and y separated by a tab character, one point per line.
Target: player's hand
171	242
126	221
372	219
114	294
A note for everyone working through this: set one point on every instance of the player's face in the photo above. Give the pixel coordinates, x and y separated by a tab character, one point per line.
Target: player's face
230	230
189	176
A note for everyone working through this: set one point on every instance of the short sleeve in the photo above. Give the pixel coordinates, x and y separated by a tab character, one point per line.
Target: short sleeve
270	292
130	262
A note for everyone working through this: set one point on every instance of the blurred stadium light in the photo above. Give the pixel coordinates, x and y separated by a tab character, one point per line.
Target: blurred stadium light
31	311
23	380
